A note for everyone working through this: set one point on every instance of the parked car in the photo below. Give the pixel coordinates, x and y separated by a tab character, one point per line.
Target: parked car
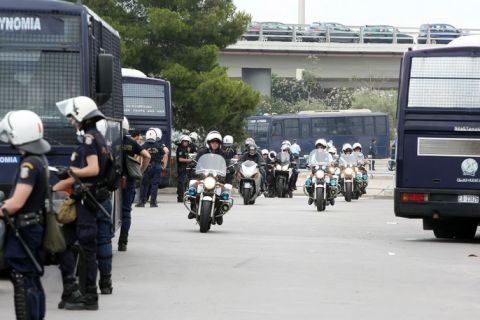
253	32
277	31
384	34
329	31
437	33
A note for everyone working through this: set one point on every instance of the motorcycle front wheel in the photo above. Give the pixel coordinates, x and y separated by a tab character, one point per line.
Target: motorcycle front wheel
247	194
348	191
319	201
205	218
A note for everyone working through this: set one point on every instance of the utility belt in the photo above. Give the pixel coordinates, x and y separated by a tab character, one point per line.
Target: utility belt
28	219
99	192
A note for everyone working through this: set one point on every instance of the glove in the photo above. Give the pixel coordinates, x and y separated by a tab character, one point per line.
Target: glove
63	173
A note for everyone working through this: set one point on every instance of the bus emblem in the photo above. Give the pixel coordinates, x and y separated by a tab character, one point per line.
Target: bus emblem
469	167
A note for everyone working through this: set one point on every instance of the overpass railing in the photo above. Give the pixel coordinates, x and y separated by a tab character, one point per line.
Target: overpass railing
353	34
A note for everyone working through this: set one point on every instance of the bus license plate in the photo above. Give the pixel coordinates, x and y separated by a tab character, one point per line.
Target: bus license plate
468	198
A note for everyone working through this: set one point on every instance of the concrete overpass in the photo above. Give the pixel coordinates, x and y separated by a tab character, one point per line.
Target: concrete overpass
348	65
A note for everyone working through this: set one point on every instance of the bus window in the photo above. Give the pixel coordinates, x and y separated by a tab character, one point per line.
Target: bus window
319	127
291	128
305	128
355	125
251	126
276	130
380	125
369	126
261	134
342	128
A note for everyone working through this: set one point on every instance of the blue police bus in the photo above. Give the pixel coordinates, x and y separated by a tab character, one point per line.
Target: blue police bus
148	103
347	126
51	51
438	146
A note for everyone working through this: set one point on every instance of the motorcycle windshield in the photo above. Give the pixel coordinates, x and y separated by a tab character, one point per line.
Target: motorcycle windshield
284	158
348	159
249	168
318	157
211	164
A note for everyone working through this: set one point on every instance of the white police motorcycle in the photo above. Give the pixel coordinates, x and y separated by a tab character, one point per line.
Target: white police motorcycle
250	181
323	181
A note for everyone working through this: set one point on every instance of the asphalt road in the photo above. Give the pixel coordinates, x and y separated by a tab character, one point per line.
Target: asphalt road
280	259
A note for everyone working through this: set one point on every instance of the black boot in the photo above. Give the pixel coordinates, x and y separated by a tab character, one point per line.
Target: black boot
140	205
105	284
91	298
219	220
72	298
122	242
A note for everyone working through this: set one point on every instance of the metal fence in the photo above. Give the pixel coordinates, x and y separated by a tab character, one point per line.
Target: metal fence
353	34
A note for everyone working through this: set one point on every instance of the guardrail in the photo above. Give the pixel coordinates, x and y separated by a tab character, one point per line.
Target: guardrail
354	34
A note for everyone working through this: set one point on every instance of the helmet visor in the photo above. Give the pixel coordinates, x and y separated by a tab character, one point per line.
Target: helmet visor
66	107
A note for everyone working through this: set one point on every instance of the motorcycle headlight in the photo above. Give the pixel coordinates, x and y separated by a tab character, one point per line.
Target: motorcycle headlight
320	174
348	171
209	183
278	167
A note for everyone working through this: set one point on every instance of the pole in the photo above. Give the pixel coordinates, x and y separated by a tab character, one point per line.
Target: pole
301	11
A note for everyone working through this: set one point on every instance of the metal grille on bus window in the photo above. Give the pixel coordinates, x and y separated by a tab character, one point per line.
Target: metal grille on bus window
54	29
444	82
448	147
144	99
36	80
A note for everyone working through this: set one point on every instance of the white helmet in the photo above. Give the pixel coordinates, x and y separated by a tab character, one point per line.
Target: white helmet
151	135
80	108
264	152
332	150
185	138
347	146
357	145
102	126
287	143
194	136
24	130
249	141
158	133
321	142
125	124
228	141
285	147
213	135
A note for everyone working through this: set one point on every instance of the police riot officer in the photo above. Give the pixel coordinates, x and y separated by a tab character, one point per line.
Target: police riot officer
183	160
229	151
158	162
252	154
92	228
23	130
131	148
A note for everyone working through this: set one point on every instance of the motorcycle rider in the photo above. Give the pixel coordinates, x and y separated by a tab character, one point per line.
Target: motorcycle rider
361	161
183	160
252	154
320	144
23	131
133	149
158	162
213	142
229	154
292	183
269	167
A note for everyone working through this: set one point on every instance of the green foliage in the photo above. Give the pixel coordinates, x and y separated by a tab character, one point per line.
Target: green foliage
179	40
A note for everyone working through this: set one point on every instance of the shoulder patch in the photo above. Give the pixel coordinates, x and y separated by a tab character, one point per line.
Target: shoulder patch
89	139
27	165
24	172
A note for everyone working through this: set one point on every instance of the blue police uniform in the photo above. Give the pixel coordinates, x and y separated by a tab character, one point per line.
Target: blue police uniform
182	153
151	177
29	295
229	154
130	148
92	229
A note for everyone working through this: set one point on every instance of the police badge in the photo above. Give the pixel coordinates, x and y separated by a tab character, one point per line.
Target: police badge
469	167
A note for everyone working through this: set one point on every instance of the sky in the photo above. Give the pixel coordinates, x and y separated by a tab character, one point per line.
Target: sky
399	13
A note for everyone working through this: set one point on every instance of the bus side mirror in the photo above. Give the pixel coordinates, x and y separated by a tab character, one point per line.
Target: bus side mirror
104	77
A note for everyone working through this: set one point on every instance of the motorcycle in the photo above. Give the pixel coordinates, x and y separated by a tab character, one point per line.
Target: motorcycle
351	177
208	197
282	174
323	184
250	181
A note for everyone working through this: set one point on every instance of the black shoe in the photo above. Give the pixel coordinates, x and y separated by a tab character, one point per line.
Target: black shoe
105	284
91	298
74	301
219	220
332	202
310	201
191	215
71	293
122	246
179	199
140	205
153	205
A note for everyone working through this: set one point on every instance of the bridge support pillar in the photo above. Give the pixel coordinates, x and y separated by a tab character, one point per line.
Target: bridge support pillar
259	78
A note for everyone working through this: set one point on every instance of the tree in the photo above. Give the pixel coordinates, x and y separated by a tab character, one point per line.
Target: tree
179	40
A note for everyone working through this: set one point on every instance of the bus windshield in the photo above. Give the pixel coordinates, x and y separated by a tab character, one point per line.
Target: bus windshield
142	99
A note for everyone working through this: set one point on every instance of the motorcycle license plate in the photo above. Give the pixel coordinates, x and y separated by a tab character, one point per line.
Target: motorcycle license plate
468	198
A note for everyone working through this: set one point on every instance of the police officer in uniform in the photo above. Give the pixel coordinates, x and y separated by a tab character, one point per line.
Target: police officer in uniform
88	164
183	160
23	130
193	147
151	178
130	148
252	154
229	151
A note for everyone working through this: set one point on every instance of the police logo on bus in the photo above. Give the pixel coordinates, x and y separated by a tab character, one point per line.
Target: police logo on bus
469	167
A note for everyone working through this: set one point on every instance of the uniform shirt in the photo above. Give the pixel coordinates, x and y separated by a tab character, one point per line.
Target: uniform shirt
156	151
182	153
208	150
130	148
32	172
192	148
295	148
93	144
257	158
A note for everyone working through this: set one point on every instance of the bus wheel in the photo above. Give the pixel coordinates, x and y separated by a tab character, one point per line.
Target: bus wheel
466	230
443	230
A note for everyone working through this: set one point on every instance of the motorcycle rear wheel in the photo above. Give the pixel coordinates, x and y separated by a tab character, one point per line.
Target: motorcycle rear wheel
205	218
